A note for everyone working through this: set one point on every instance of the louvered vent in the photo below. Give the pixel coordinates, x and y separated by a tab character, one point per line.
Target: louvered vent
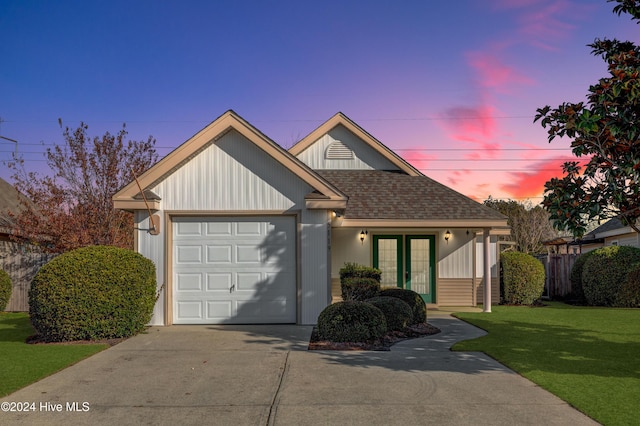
338	151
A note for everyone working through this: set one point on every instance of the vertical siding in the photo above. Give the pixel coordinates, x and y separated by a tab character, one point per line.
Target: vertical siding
315	289
624	240
458	263
365	157
232	174
152	247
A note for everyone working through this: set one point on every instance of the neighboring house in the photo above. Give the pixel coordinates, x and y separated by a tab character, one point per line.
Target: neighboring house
610	233
19	259
247	232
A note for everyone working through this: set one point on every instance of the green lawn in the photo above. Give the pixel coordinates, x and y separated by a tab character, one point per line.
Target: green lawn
589	357
23	364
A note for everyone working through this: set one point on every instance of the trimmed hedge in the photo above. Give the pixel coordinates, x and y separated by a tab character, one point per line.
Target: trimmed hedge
413	299
604	273
353	270
359	288
629	295
577	292
5	289
396	311
523	278
93	293
351	321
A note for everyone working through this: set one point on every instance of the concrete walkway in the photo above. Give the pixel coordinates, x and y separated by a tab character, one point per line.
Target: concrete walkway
263	375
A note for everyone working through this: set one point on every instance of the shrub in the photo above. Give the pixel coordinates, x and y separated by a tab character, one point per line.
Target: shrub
351	321
523	277
577	291
93	293
396	312
629	295
5	289
359	288
353	270
411	298
605	271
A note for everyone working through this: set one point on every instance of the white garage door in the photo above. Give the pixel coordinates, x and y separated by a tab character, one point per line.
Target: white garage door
234	270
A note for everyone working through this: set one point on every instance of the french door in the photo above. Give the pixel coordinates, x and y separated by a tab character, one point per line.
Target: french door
407	261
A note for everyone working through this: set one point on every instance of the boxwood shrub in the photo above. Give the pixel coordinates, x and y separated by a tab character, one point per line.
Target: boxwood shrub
523	278
353	270
396	312
5	289
359	288
351	321
92	293
604	273
413	299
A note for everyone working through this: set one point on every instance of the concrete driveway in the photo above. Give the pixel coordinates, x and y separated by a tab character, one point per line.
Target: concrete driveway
263	375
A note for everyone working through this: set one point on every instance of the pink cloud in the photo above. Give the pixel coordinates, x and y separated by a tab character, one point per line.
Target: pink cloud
418	159
453	177
531	183
495	75
471	124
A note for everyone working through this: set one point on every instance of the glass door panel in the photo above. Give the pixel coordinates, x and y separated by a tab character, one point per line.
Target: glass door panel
420	262
387	256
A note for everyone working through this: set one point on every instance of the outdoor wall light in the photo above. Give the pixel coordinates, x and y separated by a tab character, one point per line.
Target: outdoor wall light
363	234
447	235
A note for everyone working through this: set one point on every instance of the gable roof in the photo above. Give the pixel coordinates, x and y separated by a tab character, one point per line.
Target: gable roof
341	119
325	195
377	196
10	201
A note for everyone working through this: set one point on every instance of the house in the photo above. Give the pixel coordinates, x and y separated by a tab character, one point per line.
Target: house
243	231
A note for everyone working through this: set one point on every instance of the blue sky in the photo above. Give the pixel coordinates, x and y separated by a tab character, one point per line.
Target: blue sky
452	86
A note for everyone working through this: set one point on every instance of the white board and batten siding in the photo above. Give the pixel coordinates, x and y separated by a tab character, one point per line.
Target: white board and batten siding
232	180
331	152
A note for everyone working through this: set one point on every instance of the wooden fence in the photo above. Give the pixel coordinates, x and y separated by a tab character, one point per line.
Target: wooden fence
557	268
21	263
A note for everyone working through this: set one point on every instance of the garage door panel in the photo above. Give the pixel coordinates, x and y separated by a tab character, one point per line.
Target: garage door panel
189	254
218	310
188	229
189	310
220	253
234	270
250	228
218	229
219	281
189	282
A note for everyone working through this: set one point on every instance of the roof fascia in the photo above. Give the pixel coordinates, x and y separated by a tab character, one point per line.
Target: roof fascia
413	223
374	143
214	131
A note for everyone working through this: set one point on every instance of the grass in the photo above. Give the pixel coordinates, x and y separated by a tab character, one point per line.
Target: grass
23	364
589	357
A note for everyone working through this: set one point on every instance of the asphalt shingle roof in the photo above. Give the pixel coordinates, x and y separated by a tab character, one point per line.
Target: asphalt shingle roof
377	194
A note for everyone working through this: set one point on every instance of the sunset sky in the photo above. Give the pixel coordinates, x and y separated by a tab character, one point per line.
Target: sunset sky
452	86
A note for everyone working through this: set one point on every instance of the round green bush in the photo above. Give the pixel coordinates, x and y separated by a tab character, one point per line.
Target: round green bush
629	296
396	312
351	321
411	298
93	293
604	273
577	292
359	288
5	289
523	278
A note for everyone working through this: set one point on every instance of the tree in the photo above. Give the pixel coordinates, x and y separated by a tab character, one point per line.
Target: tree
530	225
73	208
606	132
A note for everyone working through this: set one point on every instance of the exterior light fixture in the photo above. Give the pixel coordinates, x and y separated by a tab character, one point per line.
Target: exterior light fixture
363	234
447	235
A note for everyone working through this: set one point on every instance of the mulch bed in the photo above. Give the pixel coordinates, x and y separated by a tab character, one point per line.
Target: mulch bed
384	344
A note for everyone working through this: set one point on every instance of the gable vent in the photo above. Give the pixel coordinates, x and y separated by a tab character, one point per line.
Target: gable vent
338	151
